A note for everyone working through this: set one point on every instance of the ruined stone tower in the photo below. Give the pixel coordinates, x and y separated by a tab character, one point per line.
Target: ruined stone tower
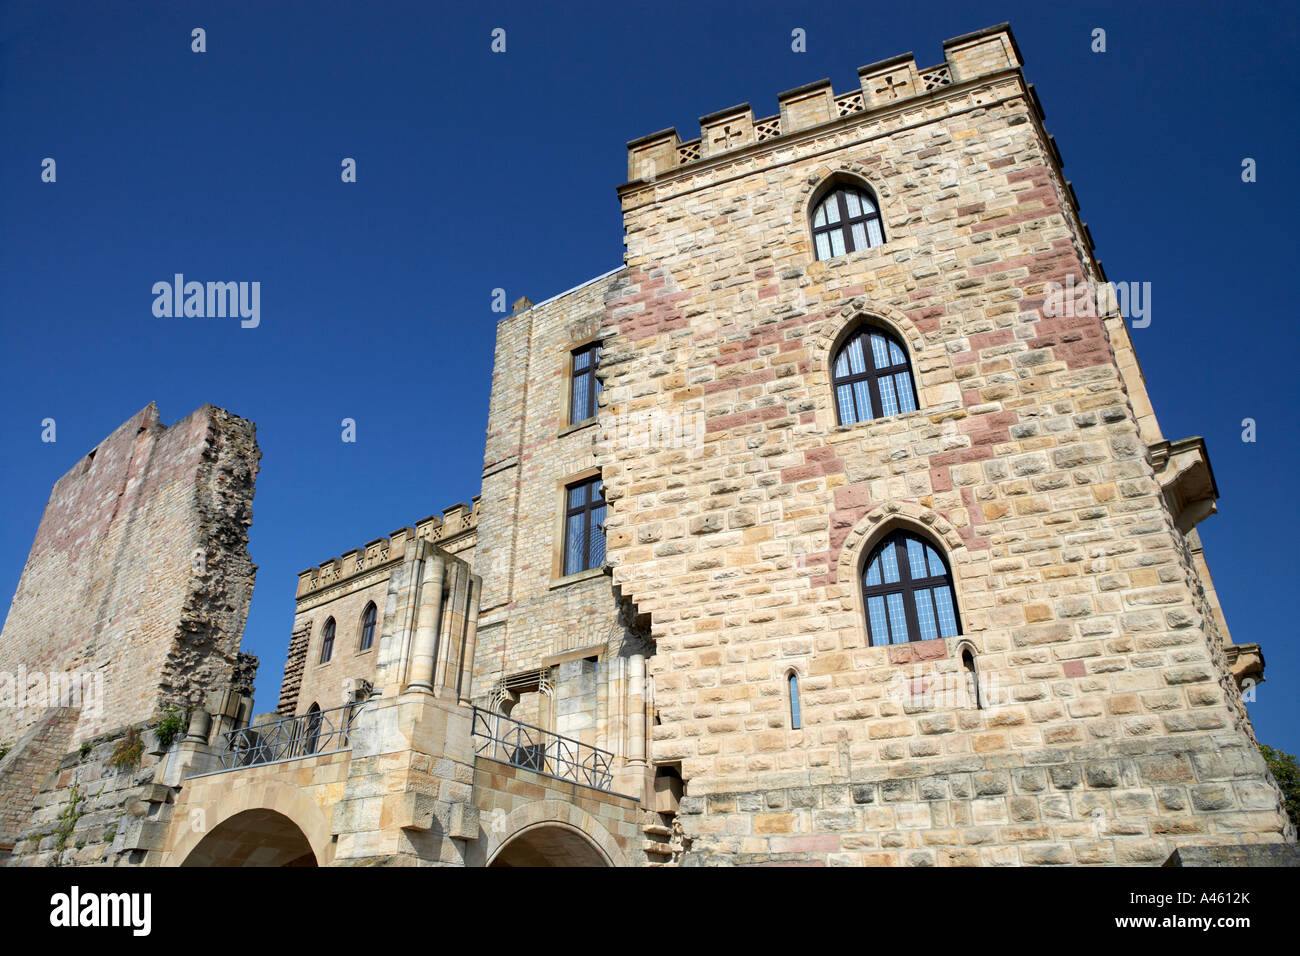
133	599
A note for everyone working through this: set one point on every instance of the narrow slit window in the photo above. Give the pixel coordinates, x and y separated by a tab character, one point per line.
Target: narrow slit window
327	642
368	620
796	720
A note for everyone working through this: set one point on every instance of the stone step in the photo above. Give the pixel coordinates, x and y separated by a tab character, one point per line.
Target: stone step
657	849
656	829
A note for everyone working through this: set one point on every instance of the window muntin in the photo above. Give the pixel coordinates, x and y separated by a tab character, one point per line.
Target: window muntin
847	220
584	526
368	620
872	377
584	386
327	642
908	593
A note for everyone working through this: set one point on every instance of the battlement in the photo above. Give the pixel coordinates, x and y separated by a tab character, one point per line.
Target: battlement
882	85
453	524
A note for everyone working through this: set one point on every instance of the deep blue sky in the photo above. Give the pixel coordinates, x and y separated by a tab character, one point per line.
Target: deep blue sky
481	170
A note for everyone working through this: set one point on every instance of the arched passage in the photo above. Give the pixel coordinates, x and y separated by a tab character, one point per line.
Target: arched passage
549	844
253	838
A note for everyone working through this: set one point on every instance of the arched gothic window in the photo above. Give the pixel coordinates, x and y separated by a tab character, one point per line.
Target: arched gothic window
311	729
908	593
368	619
846	220
872	376
327	642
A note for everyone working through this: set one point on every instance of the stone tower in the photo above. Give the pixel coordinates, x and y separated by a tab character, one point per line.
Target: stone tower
1082	706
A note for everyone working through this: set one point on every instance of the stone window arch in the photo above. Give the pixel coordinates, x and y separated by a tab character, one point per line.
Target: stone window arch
844	217
871	375
796	701
327	641
369	618
907	591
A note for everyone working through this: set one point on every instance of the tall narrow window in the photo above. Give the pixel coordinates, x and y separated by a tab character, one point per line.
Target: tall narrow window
584	526
907	589
847	220
327	642
796	721
585	386
311	729
971	678
368	620
872	376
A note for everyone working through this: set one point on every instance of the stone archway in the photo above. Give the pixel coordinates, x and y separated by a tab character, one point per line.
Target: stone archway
601	849
253	838
549	844
201	813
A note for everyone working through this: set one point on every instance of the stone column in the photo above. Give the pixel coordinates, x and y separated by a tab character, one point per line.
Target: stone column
465	690
200	726
636	709
425	645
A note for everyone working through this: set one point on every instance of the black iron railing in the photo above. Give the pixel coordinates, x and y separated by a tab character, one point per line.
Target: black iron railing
309	734
500	738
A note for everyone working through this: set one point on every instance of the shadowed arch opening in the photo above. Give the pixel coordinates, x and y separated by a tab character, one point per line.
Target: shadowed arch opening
549	844
254	838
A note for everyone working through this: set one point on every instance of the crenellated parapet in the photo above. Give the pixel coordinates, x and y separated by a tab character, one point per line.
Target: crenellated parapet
450	530
882	86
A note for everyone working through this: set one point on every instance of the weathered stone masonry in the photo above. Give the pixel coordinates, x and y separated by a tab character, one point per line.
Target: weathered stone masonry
1030	462
137	585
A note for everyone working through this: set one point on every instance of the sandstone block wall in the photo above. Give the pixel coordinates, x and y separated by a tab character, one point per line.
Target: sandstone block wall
139	574
1119	732
534	617
341	589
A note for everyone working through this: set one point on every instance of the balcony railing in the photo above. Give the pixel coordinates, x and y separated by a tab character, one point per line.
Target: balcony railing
311	734
500	738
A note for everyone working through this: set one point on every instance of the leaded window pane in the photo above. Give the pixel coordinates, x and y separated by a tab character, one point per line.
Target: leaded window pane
888	402
889	565
580	392
862	392
880	351
874	236
906	400
925	615
879	629
916	558
947	617
837	243
897	619
844	396
823	246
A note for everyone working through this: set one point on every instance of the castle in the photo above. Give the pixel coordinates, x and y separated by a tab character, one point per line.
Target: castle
811	535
